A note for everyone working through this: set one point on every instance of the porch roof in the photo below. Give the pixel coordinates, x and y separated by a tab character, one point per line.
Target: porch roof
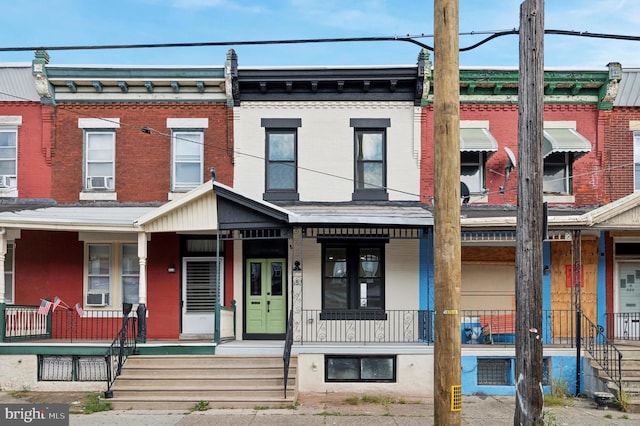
76	218
623	213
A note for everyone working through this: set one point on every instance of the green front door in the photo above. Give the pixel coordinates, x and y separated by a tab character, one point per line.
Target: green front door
265	296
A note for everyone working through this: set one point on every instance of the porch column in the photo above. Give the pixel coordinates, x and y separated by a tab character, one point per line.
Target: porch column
296	292
3	252
142	288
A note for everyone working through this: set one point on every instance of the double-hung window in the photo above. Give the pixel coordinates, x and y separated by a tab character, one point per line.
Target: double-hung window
8	273
557	173
113	274
353	279
477	144
188	153
370	155
130	273
99	277
8	157
100	154
281	154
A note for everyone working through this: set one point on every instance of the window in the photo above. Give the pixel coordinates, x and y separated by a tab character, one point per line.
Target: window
494	371
113	274
557	173
99	274
353	279
636	160
100	160
188	149
370	143
8	274
360	368
8	157
472	171
281	161
281	158
130	273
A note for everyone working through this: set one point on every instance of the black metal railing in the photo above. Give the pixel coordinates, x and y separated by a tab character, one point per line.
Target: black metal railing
623	326
286	356
122	346
367	326
601	349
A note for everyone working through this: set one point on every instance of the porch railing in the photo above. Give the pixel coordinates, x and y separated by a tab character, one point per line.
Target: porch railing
122	346
602	350
367	326
24	323
623	326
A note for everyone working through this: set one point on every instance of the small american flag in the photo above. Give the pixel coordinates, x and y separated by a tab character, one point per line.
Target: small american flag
44	307
79	309
56	302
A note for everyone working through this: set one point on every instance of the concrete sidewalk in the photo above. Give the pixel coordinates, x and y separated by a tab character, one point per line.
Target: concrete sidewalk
476	411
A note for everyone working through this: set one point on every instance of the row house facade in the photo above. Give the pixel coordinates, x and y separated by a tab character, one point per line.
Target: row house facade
273	204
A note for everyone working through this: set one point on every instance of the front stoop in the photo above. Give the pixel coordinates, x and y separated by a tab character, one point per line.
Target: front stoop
630	369
181	382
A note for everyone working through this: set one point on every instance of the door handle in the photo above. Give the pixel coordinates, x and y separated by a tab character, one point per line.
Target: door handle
268	303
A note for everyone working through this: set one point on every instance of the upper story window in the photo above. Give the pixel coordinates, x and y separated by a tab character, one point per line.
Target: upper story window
187	152
636	160
99	154
476	146
370	143
281	158
8	157
561	147
188	149
9	125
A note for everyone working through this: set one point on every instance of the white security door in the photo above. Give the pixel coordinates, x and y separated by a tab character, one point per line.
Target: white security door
199	294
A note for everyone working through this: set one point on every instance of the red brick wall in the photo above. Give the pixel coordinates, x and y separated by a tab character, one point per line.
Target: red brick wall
503	124
618	152
143	161
34	136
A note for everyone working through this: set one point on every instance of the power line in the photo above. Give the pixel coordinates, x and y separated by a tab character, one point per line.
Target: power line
408	38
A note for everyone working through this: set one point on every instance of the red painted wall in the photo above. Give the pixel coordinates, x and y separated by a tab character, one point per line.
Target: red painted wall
163	288
34	147
503	125
143	161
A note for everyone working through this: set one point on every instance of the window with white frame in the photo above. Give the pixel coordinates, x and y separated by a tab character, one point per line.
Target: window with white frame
100	152
130	272
113	274
636	160
187	159
8	157
99	270
8	274
472	171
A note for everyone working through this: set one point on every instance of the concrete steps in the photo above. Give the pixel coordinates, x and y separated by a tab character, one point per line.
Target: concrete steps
184	381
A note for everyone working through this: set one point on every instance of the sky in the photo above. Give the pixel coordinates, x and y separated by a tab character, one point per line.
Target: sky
51	23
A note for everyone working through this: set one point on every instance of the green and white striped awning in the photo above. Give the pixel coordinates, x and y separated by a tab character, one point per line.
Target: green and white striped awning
477	140
564	140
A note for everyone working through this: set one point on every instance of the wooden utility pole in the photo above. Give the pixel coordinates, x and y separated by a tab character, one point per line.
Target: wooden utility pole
446	100
530	220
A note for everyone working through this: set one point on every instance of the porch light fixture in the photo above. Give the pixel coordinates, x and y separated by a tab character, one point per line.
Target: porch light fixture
171	269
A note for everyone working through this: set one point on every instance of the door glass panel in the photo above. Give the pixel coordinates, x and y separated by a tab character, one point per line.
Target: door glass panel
336	277
629	287
276	279
256	279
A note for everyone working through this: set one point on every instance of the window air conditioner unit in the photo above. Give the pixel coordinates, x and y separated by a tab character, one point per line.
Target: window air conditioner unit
97	299
5	181
99	182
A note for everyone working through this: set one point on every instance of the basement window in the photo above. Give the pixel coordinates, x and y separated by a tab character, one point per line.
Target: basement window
353	368
71	368
494	371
